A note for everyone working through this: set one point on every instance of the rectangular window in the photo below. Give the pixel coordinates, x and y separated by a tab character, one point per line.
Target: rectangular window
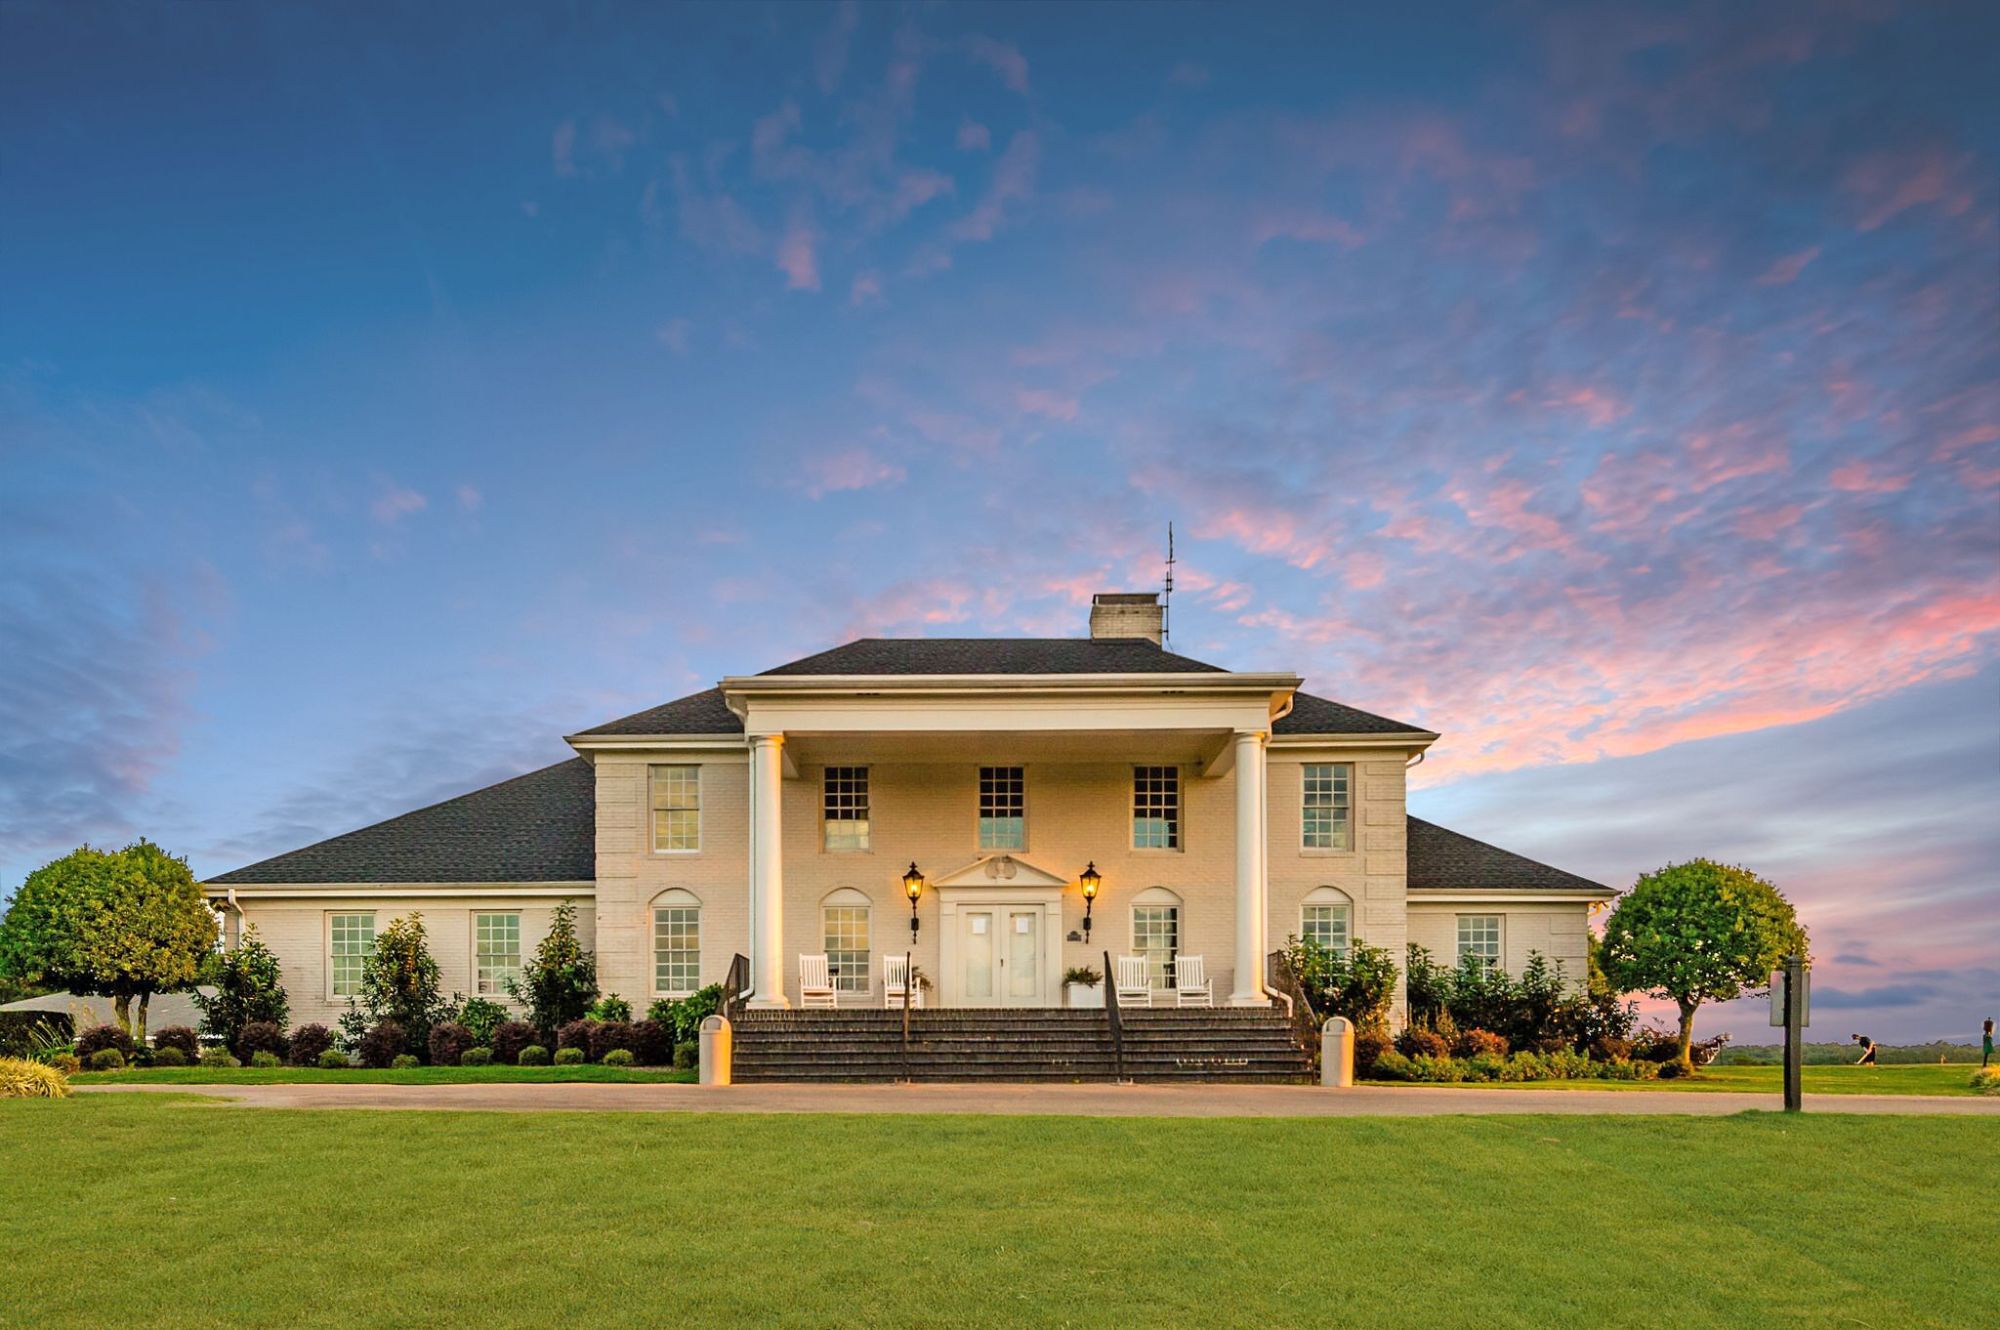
677	949
1327	818
1326	925
350	942
1156	808
496	952
1479	935
676	808
1003	808
846	937
846	808
1156	935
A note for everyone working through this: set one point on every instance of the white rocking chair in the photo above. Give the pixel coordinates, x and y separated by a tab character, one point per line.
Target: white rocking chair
815	983
1134	982
1191	983
896	981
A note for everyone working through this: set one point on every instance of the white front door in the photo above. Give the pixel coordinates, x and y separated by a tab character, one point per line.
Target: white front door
1000	956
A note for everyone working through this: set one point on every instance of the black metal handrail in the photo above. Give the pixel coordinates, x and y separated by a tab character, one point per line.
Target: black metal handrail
909	982
1305	1021
733	984
1112	1017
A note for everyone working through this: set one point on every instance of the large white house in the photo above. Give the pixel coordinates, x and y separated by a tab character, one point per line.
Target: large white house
777	815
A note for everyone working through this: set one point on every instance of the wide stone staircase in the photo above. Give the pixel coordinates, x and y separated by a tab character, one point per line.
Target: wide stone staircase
1184	1044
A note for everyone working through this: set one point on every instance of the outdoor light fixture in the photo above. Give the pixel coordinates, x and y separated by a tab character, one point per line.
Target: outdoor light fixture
913	887
1090	879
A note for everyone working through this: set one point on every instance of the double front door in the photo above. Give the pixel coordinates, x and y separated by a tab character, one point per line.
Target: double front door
1000	955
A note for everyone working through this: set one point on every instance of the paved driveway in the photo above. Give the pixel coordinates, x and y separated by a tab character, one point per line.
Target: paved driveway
1094	1100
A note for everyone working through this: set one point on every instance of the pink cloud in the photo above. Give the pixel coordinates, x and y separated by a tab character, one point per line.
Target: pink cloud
1860	478
866	288
470	499
1042	402
797	258
1787	269
1887	184
1313	228
974	137
1003	58
394	503
850	469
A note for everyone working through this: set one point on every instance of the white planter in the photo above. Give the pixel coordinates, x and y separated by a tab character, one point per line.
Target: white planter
1083	995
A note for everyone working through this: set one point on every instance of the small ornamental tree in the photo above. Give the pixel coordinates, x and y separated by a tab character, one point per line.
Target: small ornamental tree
399	982
249	986
1358	982
559	982
1698	932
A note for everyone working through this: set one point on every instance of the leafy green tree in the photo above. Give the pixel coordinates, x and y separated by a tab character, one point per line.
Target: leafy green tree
126	925
559	982
1698	932
400	982
249	986
1358	982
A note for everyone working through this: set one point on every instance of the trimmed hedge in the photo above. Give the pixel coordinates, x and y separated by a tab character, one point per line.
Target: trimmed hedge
99	1037
534	1055
448	1042
170	1056
333	1059
510	1037
382	1044
309	1045
261	1037
179	1037
106	1059
569	1057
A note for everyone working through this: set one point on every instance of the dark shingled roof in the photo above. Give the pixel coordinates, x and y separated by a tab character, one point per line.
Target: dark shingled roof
697	713
1317	715
996	655
541	827
1441	860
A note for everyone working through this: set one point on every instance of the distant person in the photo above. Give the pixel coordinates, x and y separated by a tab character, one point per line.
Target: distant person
1867	1050
1986	1051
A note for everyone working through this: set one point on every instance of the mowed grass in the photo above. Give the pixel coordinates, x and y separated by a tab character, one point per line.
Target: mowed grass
1916	1078
489	1075
165	1213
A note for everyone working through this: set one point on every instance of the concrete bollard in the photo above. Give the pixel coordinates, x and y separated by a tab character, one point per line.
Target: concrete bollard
717	1050
1336	1052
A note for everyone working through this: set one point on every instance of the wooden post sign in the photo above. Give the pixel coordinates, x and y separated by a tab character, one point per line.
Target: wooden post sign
1791	995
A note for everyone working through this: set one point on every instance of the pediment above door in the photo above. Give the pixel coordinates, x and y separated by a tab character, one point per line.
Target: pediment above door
1000	870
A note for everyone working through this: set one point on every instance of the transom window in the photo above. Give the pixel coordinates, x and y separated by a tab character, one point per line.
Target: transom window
1327	820
677	808
845	930
1003	808
350	942
496	952
845	794
1156	808
1479	936
1156	935
1327	924
676	948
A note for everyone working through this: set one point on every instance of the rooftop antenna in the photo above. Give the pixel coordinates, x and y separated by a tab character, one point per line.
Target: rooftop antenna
1167	598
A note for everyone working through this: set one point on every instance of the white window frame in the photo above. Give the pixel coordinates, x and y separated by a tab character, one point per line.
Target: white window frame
1499	939
1158	901
682	904
333	990
654	772
855	977
1336	836
1342	906
498	989
1176	828
991	781
851	776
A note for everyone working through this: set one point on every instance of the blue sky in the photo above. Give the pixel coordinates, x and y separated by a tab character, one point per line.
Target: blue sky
388	390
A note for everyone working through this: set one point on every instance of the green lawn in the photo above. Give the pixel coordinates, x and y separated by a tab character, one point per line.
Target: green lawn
412	1076
1951	1079
130	1211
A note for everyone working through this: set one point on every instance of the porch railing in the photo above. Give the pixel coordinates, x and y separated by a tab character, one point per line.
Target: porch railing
1305	1021
733	985
909	982
1117	1024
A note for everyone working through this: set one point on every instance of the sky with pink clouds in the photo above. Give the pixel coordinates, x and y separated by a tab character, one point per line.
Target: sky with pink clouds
386	391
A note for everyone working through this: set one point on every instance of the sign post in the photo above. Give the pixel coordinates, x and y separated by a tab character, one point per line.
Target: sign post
1791	997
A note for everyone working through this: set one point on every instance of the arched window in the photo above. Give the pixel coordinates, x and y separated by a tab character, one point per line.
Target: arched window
844	931
676	943
1327	917
1156	932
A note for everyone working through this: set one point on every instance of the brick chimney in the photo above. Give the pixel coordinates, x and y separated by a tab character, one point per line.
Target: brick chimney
1124	615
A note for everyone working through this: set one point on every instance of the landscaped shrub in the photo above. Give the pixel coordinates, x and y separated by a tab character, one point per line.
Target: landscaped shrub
1369	1046
476	1056
653	1042
684	1015
405	1061
509	1038
105	1059
569	1057
449	1040
100	1037
248	986
1610	1048
575	1034
264	1057
619	1057
1624	1069
399	987
481	1017
65	1062
261	1037
1392	1066
687	1056
334	1060
309	1043
559	982
1358	982
534	1055
180	1038
605	1036
1475	1043
169	1057
610	1007
382	1043
1418	1042
32	1034
1986	1080
219	1058
22	1079
1442	1071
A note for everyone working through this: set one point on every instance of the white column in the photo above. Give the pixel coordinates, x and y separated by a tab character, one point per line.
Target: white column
1249	989
767	867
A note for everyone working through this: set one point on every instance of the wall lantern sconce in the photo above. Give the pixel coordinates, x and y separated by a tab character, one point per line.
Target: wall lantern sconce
1090	879
913	887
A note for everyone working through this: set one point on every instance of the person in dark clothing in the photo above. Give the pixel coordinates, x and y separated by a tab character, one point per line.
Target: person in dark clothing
1986	1053
1867	1050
